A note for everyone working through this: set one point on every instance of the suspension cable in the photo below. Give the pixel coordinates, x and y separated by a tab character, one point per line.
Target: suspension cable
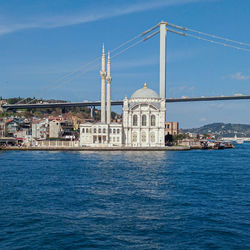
207	34
78	70
219	37
219	43
97	65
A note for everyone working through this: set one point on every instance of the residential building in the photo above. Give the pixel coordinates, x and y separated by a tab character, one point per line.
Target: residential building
171	128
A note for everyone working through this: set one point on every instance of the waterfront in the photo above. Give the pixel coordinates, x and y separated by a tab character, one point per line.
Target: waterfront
125	200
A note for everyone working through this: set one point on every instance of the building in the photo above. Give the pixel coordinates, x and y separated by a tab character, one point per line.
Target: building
2	128
40	129
171	128
143	118
55	129
12	126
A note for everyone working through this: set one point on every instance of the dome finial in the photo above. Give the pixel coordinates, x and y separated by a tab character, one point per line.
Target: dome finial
145	85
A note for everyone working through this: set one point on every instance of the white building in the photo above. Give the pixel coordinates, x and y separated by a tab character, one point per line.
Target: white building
40	129
143	119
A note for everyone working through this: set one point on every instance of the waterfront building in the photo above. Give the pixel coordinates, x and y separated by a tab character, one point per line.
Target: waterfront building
2	128
143	119
55	129
40	129
171	128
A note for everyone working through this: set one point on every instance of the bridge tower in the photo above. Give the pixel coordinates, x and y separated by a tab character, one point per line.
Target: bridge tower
163	35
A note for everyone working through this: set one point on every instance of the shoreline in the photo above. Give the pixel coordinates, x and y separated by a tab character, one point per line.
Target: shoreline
172	148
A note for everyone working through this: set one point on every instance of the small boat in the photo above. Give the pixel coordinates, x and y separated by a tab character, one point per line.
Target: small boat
240	141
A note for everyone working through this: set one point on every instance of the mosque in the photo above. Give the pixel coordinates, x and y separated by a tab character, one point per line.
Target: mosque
143	118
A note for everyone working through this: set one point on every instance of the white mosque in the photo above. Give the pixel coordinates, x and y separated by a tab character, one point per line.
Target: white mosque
143	118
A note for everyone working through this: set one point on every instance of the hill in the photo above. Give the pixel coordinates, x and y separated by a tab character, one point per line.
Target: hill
223	129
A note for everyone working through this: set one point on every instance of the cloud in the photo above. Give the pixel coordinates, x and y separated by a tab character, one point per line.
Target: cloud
93	15
240	76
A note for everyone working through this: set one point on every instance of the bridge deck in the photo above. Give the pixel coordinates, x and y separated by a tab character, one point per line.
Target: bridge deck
119	102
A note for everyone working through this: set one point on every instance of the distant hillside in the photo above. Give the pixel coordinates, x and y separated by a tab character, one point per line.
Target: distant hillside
223	129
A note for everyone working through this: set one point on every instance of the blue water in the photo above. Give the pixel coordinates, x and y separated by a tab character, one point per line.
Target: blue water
125	200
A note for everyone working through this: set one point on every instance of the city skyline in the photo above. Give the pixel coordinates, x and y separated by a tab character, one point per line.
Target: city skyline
43	42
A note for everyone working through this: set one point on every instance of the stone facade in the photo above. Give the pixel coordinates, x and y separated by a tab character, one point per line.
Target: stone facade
40	129
143	120
2	128
55	129
143	124
100	134
171	128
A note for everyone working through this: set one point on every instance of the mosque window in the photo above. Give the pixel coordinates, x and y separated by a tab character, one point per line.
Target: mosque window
118	139
134	137
83	130
114	131
118	131
99	130
94	130
152	120
143	136
144	120
104	130
152	137
87	130
135	120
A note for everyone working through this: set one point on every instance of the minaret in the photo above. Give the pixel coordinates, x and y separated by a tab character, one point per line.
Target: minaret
109	79
103	76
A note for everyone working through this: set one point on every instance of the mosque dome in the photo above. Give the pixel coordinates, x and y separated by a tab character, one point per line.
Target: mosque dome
145	93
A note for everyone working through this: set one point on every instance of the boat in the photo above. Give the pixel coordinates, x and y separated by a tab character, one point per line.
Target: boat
238	140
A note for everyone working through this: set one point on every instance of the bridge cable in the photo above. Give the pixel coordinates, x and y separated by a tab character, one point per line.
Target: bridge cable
207	34
207	40
97	65
219	43
94	60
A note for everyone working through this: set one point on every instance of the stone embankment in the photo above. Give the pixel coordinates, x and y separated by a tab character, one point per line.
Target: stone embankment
172	148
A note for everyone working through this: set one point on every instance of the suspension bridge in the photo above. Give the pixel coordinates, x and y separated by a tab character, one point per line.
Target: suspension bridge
163	28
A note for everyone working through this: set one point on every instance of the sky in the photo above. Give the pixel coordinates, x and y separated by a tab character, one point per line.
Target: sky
41	42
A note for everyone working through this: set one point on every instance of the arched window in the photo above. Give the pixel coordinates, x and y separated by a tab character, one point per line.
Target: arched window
83	130
104	130
94	130
144	120
135	120
152	120
99	130
143	136
134	137
152	137
87	130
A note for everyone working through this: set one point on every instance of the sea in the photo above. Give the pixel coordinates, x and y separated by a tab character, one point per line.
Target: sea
198	199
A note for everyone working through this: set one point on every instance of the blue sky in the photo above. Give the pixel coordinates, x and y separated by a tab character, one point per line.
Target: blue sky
41	41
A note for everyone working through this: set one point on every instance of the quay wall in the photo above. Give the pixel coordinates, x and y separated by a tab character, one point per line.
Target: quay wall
58	148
